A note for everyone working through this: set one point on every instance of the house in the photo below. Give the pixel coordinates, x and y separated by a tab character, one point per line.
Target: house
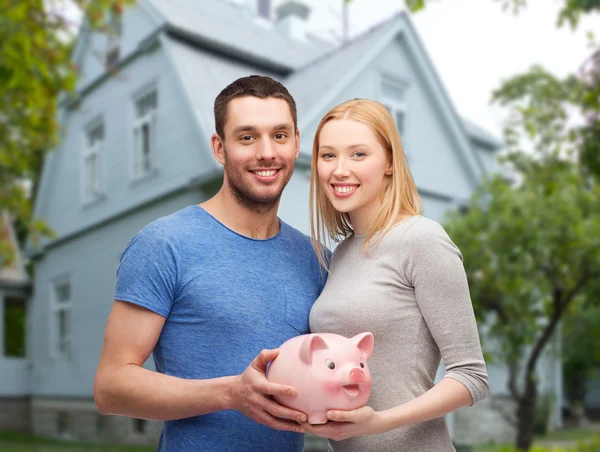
136	147
15	291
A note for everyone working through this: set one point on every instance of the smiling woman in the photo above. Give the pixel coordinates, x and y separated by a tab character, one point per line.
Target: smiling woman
396	274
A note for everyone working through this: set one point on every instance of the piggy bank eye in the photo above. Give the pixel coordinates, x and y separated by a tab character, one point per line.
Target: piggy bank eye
330	364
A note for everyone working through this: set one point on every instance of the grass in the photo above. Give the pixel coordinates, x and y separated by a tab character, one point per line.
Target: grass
15	442
24	443
552	439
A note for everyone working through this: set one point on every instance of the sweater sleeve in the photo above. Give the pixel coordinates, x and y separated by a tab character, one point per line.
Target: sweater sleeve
434	266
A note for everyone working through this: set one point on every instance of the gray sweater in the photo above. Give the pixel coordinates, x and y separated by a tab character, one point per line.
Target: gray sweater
411	292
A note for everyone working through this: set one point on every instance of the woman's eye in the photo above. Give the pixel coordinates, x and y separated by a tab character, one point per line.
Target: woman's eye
327	156
359	154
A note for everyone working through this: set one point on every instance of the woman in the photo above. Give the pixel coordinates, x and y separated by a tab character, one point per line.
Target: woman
396	274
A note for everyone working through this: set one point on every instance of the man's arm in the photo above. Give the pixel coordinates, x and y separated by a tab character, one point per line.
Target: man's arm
122	386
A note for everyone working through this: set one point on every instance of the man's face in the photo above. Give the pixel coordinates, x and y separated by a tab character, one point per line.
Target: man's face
258	150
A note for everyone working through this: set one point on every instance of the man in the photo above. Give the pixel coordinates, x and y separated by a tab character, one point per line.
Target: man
206	288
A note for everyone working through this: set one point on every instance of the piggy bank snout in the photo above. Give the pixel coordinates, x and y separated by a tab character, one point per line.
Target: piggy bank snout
357	376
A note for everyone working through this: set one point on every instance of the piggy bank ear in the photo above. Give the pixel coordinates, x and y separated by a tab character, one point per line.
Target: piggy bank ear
364	342
312	343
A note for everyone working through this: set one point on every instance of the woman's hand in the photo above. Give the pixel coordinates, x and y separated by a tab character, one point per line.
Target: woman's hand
347	424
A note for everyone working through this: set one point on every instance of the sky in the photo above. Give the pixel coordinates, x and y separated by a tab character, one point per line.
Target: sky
474	44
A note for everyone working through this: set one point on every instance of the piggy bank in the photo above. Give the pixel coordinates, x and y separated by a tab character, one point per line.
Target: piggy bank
329	372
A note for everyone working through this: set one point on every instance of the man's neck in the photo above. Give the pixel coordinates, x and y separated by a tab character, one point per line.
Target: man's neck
256	225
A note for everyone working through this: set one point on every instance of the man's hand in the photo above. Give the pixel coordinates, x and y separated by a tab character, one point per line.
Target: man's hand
251	396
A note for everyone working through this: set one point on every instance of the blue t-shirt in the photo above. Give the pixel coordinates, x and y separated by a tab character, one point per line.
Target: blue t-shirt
225	298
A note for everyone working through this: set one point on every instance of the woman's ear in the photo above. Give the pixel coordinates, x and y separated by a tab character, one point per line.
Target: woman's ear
389	170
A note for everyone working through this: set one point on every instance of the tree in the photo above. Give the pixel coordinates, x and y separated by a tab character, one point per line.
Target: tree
581	338
35	68
530	251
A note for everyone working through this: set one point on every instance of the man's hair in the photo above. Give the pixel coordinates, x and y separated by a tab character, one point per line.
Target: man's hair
253	85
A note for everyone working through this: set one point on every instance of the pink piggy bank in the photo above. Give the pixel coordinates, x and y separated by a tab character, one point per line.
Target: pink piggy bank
329	371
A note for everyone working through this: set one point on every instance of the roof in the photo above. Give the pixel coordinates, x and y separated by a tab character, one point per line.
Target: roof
324	76
478	133
232	29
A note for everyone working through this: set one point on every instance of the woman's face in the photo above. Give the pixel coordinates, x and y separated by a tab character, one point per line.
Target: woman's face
352	169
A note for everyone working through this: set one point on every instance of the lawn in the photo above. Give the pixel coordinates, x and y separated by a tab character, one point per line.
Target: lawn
14	442
22	443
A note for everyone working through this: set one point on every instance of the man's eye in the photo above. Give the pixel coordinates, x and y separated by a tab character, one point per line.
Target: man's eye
246	138
279	136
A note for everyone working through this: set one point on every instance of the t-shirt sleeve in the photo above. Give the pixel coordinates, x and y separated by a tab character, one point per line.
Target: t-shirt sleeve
435	268
147	273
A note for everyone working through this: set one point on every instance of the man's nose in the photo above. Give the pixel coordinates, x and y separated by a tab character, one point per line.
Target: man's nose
265	150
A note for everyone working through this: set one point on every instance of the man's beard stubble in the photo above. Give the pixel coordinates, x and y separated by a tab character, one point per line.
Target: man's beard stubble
244	195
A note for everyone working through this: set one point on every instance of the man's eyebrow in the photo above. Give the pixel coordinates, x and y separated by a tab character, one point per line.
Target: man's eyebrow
283	126
240	129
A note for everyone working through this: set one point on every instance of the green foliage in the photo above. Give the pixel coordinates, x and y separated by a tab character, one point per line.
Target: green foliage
523	245
570	13
35	67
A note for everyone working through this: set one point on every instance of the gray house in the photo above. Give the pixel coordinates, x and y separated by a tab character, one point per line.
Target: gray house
136	147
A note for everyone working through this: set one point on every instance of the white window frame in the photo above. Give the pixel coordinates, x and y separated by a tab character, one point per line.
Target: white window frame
61	347
94	191
396	106
149	120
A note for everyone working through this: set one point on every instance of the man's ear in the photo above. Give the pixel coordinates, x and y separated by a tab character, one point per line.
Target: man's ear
297	143
218	148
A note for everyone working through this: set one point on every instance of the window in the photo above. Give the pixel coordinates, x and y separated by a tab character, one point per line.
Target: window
144	134
393	96
100	424
139	426
113	40
15	321
61	319
92	152
63	424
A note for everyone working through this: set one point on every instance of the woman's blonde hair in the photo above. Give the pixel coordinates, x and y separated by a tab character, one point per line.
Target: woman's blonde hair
399	198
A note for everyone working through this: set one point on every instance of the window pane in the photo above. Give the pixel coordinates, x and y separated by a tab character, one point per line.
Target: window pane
146	104
63	292
15	321
90	174
391	90
146	147
63	421
95	135
139	425
64	323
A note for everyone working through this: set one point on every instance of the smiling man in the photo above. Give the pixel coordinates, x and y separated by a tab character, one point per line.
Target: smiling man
206	288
